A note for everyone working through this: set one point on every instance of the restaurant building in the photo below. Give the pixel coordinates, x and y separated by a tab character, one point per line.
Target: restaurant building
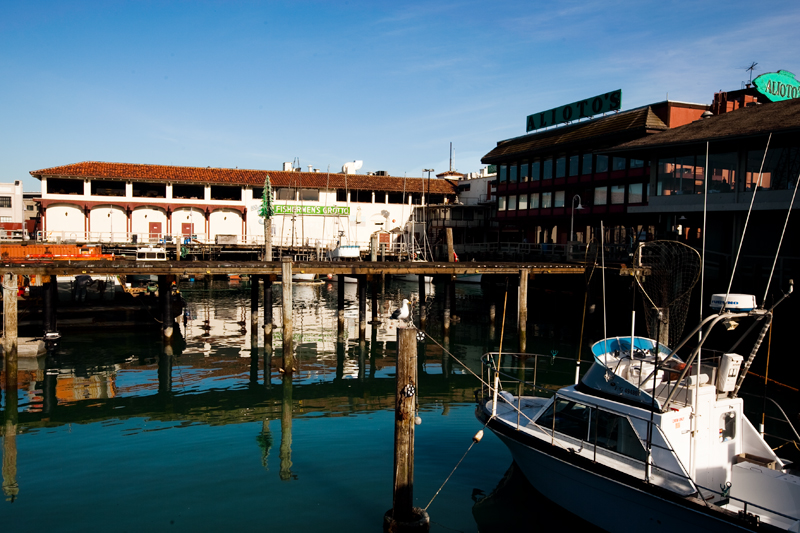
556	185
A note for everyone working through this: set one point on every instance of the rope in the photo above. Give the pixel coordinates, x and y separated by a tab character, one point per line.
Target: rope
474	441
773	381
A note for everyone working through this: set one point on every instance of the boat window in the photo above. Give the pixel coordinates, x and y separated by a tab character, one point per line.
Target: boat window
614	432
572	418
727	426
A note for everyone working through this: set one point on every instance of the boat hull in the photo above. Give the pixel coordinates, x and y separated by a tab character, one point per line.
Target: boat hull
609	503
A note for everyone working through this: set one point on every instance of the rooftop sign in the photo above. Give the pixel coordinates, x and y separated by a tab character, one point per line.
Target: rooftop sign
778	86
582	109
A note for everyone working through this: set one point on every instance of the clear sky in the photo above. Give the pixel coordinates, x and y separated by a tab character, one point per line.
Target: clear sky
254	84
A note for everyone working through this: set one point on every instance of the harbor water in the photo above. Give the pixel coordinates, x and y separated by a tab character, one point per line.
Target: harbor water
118	430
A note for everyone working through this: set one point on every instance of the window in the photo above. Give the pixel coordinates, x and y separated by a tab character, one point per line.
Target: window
524	171
600	195
721	172
284	193
608	430
149	190
780	168
523	201
547	200
501	203
512	173
635	193
5	201
637	163
188	192
547	169
680	175
587	164
558	201
534	201
108	188
602	163
535	171
573	165
457	214
618	163
617	194
309	195
225	193
561	167
6	219
380	196
503	174
62	186
512	203
571	418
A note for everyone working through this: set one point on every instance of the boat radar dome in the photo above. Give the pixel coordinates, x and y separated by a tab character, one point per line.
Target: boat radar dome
735	302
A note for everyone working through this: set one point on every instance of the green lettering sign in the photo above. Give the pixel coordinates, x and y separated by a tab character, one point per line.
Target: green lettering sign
313	210
583	109
778	86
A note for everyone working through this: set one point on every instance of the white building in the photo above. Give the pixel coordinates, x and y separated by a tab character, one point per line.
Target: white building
121	202
11	210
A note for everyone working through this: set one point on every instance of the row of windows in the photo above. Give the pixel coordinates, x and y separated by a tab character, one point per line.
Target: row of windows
607	194
685	175
573	165
225	193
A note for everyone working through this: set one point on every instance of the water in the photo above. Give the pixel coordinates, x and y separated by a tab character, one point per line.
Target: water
121	431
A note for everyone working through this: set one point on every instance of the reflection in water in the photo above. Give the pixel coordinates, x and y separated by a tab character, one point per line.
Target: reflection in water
120	406
10	485
286	430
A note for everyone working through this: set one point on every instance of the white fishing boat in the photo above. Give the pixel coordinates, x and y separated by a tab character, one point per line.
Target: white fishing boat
469	278
650	438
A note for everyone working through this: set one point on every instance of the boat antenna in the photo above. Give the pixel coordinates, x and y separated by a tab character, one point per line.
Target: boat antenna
703	249
327	188
744	230
603	265
499	354
780	242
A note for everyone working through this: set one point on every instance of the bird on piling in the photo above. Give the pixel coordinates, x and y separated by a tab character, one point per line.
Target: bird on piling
403	312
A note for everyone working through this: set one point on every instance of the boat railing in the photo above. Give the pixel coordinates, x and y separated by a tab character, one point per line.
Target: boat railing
525	376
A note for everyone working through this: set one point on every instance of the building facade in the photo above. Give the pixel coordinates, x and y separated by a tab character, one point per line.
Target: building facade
123	203
11	211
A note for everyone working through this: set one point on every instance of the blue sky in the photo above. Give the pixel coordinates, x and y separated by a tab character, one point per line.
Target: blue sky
254	84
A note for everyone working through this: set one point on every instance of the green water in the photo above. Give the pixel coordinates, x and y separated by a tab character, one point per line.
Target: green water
118	431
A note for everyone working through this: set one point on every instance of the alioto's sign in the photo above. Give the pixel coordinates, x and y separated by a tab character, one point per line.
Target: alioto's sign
778	86
582	109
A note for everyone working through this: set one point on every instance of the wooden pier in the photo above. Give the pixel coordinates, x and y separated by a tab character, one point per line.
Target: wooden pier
268	272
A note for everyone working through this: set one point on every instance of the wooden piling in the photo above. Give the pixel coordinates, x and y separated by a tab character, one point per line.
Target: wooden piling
288	332
451	254
423	318
268	319
362	308
165	294
342	333
254	307
10	334
446	317
404	516
49	295
285	452
522	305
373	285
10	415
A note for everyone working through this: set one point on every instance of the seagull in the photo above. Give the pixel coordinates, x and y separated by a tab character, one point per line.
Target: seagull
403	313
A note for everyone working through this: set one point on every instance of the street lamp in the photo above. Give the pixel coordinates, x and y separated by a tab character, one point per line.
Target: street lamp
572	220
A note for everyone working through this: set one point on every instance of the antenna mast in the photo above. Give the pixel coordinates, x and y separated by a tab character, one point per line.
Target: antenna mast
451	156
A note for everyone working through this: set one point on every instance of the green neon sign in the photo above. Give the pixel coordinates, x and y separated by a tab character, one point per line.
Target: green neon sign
313	210
778	86
596	105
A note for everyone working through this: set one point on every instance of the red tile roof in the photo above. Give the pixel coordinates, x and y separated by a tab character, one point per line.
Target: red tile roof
235	176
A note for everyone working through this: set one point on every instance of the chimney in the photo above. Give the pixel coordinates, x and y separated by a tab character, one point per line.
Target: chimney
287	167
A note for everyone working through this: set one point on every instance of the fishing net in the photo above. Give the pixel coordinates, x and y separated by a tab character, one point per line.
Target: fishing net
673	269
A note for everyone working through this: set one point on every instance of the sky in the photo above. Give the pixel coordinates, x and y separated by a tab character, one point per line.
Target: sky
255	84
